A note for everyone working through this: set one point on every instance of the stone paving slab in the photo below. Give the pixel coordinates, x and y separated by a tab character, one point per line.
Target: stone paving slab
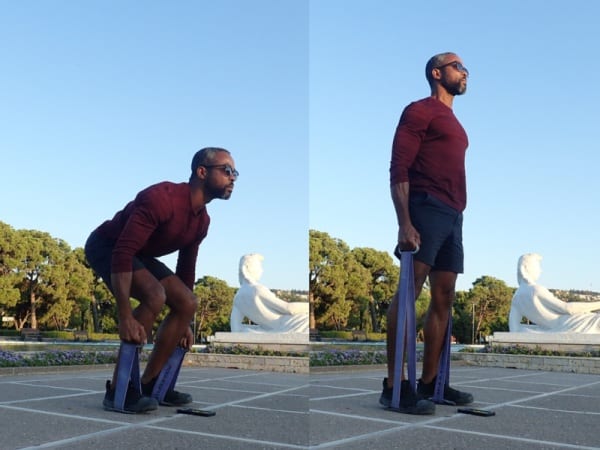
255	410
338	410
534	410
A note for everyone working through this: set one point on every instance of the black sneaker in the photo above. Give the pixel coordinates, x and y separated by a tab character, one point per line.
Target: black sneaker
451	395
410	401
172	397
175	398
134	402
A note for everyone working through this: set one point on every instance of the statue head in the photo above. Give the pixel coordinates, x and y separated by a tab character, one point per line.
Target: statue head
529	268
251	267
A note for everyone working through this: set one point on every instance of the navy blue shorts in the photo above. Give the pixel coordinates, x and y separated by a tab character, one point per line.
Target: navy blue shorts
440	227
98	251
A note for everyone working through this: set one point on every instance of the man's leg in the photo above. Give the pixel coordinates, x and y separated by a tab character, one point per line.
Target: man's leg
151	295
442	296
182	304
410	402
421	272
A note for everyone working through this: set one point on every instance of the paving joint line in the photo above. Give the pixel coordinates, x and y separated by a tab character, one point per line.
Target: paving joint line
553	444
430	423
256	397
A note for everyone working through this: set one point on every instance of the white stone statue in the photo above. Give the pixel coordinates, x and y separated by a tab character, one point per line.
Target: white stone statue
256	302
540	306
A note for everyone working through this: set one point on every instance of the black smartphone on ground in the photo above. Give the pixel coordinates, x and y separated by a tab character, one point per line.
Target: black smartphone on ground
477	412
196	412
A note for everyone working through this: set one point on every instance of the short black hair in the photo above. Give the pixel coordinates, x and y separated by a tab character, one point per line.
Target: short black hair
433	63
204	157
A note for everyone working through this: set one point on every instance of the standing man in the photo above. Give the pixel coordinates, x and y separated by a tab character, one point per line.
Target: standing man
163	218
427	178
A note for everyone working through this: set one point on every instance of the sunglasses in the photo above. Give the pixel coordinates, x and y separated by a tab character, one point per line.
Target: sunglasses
458	66
229	171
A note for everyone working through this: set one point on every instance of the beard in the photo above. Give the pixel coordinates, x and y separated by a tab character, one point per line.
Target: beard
220	192
456	88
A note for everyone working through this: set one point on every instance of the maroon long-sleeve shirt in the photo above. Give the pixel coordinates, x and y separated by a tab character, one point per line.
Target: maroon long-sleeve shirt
159	221
429	152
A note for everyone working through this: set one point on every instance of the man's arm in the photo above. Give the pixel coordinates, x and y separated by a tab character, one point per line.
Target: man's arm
130	330
408	236
147	212
409	135
187	257
186	264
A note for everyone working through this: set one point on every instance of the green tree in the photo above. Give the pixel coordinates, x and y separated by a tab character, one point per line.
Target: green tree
328	274
103	306
9	257
215	300
39	254
53	288
381	278
482	310
356	286
81	290
462	318
421	307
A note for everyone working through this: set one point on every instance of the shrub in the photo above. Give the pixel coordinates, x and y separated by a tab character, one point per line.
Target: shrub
56	358
347	335
346	358
242	350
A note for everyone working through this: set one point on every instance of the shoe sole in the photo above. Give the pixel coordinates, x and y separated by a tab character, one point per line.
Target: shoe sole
384	402
163	403
407	410
108	407
451	402
468	402
186	402
413	411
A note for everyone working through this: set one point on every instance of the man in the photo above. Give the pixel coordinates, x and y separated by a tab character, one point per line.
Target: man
161	219
427	178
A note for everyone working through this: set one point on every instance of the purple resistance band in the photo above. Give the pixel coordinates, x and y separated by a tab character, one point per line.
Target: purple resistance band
443	375
406	327
168	375
128	369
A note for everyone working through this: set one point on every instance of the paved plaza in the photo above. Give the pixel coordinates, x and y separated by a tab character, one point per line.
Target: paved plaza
266	410
534	410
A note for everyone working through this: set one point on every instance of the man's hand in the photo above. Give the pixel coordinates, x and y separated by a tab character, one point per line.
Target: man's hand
130	330
409	238
187	340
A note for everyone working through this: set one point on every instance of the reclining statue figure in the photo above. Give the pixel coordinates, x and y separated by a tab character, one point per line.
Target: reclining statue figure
263	308
540	306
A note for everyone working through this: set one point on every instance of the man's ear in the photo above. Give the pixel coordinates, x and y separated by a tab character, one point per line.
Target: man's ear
201	172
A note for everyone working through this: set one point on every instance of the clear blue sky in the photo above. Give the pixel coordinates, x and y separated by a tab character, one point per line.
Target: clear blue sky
531	112
100	99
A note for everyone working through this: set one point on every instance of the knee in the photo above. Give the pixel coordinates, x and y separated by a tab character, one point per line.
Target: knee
442	300
186	305
155	300
192	304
